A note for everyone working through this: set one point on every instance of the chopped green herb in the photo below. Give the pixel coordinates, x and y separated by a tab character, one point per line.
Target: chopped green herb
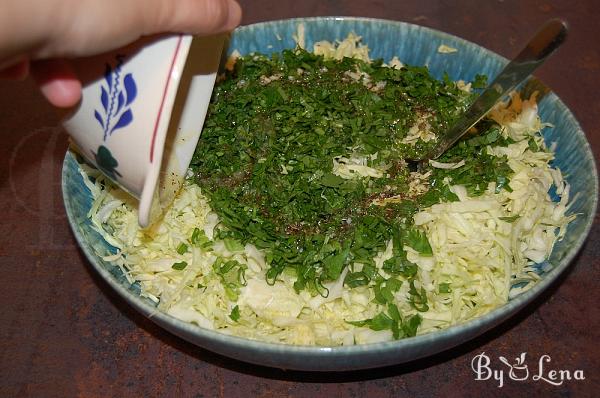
195	239
182	248
480	168
444	288
410	326
393	321
510	219
385	289
394	312
235	314
232	274
265	160
179	265
418	241
272	135
381	322
233	245
418	298
199	239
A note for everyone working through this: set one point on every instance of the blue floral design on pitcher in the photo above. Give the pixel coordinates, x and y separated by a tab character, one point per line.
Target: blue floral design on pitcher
106	162
116	97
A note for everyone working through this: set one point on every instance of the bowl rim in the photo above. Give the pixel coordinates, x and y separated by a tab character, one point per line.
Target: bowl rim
470	328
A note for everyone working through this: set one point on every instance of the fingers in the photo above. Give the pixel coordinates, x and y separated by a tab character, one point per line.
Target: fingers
70	29
95	26
57	82
194	16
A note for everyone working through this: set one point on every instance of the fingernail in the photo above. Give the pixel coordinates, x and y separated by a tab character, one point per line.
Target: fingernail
57	82
62	93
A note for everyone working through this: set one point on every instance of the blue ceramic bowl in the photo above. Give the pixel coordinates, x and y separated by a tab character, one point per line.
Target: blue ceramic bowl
413	45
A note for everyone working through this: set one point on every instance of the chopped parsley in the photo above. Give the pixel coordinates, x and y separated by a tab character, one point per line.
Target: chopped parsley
265	161
235	314
182	248
179	266
392	320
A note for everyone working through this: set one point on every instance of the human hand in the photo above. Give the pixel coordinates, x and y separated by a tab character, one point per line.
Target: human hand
42	35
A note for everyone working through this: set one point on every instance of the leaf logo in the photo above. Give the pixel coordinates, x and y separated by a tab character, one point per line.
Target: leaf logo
116	96
518	371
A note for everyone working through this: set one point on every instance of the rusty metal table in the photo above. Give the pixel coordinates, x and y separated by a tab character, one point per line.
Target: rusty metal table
64	333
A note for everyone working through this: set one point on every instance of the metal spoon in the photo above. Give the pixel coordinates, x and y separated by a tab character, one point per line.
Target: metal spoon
535	53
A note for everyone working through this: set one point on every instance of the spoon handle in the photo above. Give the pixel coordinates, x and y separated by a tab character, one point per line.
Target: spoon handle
537	50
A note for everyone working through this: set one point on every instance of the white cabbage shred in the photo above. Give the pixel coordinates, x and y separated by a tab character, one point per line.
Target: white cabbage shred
355	167
485	248
351	47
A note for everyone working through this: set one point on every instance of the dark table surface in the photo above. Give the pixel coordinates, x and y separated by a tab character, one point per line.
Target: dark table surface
64	333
